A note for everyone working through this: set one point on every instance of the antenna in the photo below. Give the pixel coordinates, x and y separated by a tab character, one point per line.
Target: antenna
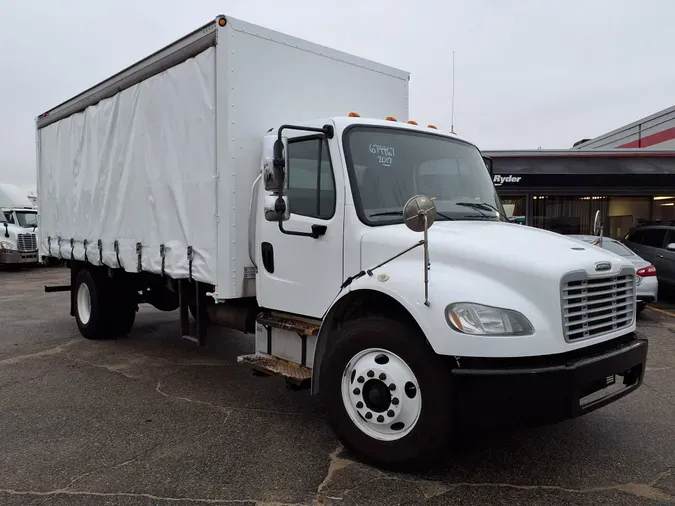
452	103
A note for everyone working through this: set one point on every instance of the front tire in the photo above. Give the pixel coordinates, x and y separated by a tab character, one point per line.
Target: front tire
387	395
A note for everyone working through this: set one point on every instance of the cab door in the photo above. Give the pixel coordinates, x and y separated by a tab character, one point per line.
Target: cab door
299	274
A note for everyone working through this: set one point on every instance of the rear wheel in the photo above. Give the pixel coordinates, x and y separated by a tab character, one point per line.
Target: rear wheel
104	308
387	394
91	311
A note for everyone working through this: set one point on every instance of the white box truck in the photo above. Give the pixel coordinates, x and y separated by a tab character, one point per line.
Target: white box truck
277	187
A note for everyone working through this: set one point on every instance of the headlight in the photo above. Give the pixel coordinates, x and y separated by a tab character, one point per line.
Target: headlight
477	319
7	246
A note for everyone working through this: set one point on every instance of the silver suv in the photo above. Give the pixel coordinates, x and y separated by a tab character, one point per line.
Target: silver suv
655	242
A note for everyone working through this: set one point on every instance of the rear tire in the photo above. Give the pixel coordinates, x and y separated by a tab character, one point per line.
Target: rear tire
403	428
91	310
104	307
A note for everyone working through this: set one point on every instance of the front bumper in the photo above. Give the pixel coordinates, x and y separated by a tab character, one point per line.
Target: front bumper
16	257
549	389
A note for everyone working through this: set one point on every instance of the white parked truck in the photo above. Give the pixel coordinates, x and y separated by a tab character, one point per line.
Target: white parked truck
230	176
18	227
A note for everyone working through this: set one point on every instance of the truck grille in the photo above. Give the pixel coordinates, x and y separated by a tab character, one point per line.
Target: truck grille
26	242
592	307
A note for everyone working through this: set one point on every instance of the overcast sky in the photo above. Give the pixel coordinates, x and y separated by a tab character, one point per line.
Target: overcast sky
528	73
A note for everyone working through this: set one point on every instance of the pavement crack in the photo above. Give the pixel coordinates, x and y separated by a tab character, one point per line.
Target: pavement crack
152	497
642	490
117	369
159	390
218	407
38	354
335	464
113	467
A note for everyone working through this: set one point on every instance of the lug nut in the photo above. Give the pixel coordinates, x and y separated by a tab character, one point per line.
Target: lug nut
391	413
371	374
383	376
357	391
359	405
380	419
360	379
395	401
392	387
369	415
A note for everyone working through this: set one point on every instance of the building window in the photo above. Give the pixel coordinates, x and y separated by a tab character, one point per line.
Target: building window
663	208
625	213
311	185
515	208
567	215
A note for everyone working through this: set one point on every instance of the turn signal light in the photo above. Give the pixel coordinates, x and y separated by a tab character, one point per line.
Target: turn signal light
648	271
354	115
390	118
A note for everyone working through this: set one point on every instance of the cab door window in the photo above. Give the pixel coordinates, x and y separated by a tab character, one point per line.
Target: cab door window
311	184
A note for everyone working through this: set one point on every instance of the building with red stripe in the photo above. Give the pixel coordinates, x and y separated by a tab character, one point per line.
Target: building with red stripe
627	174
653	132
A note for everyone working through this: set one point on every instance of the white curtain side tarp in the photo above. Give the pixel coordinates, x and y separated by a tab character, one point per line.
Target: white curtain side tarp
136	167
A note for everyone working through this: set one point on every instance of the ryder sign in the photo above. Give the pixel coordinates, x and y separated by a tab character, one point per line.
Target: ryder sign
500	180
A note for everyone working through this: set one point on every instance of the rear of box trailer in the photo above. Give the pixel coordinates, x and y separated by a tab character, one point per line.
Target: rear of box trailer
152	169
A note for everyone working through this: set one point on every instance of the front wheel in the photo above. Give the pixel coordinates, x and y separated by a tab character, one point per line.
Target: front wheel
388	396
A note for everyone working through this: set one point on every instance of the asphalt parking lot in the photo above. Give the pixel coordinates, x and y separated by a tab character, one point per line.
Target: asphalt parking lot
149	420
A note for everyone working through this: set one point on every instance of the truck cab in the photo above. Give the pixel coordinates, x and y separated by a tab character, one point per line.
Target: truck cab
486	316
18	235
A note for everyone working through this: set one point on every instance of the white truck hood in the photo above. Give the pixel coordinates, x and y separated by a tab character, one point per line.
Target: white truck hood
493	263
494	248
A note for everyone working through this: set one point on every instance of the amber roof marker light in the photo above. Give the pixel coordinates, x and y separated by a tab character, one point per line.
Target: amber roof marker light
390	118
222	21
411	122
354	115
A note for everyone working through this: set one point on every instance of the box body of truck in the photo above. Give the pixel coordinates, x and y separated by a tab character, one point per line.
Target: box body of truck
167	164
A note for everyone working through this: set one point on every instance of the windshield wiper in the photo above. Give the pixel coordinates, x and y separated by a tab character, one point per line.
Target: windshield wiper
482	206
400	213
386	213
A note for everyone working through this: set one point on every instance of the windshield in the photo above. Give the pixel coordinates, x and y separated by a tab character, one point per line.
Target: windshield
387	166
26	219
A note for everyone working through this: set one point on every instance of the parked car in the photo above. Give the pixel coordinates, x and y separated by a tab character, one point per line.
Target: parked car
655	242
647	281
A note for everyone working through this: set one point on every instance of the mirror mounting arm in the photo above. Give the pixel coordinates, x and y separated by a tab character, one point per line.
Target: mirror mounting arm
326	130
317	231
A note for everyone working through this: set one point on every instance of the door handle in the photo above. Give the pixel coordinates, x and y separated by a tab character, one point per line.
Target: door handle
659	256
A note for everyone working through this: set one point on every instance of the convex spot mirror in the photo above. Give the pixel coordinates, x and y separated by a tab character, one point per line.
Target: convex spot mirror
597	224
415	210
275	164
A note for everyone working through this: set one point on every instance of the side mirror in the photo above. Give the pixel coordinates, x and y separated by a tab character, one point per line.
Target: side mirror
597	224
275	164
419	213
276	208
671	246
488	163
